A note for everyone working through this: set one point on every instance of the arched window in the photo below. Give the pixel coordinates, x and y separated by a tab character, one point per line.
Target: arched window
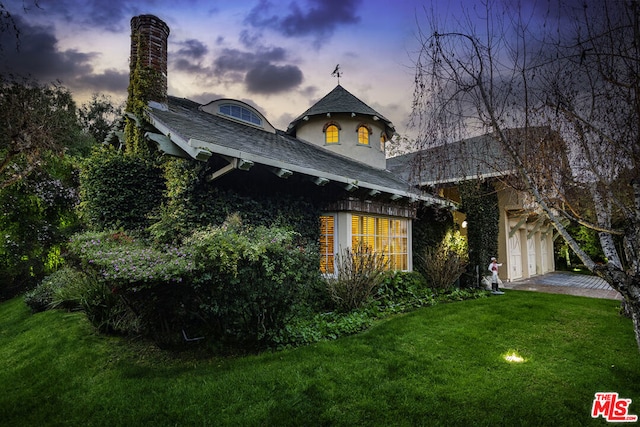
331	133
241	113
364	132
383	140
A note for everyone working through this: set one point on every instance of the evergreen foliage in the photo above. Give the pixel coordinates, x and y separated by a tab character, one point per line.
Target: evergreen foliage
428	230
191	201
480	204
38	216
119	190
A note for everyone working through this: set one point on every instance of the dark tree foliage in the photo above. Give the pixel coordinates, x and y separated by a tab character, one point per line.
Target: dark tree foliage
37	120
98	116
428	230
38	216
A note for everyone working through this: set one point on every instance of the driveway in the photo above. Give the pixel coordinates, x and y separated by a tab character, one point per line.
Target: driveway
562	282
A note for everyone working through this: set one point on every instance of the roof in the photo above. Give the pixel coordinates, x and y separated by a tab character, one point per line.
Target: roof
200	134
479	157
340	100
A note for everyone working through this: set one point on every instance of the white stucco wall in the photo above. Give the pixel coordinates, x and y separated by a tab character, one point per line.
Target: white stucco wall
372	154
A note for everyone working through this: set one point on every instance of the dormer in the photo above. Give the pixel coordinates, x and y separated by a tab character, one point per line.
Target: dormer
343	124
239	112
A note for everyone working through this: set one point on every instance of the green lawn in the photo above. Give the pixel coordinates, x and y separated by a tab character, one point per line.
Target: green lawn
442	365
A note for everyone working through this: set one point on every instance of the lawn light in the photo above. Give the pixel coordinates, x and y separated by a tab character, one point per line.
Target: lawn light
513	357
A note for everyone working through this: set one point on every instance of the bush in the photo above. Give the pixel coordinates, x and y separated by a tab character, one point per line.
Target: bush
402	290
358	275
70	289
250	282
445	263
59	289
120	191
128	263
233	284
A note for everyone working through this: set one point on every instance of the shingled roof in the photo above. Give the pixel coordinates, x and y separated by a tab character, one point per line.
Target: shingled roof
199	135
339	100
479	157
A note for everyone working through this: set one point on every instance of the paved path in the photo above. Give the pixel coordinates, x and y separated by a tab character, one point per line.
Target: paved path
561	282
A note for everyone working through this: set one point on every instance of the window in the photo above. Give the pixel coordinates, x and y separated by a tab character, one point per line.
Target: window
240	113
383	140
386	235
363	135
327	244
331	134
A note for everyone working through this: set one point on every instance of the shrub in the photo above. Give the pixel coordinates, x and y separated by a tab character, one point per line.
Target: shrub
358	275
40	298
237	285
444	264
129	263
58	289
119	191
250	282
107	310
402	290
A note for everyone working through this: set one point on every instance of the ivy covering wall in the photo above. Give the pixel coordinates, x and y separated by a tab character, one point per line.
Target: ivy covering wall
429	228
192	201
480	204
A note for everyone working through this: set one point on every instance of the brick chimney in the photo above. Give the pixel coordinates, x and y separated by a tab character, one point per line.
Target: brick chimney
149	36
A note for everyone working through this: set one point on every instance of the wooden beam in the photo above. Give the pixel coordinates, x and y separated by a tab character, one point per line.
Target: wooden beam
166	145
282	173
517	226
539	223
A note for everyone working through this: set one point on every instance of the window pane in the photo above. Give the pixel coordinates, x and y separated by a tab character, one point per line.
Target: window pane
327	245
241	113
363	135
331	134
383	235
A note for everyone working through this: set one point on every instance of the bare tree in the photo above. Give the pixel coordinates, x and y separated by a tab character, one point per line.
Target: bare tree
573	69
8	22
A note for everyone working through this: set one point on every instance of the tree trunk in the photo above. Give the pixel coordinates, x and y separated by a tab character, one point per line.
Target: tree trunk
629	287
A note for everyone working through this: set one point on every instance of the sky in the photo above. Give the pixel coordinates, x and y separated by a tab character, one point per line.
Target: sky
275	55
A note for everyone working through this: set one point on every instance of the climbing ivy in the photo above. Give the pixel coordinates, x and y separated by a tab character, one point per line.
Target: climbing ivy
428	230
145	84
191	201
480	204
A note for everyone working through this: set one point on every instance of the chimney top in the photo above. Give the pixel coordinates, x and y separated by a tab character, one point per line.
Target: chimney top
149	40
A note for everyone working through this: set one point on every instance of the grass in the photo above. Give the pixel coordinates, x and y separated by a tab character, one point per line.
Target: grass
443	365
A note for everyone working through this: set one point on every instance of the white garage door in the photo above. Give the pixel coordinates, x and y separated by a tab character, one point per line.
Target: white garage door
544	253
515	256
531	256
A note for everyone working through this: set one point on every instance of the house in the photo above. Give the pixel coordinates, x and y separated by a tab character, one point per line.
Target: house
334	151
526	236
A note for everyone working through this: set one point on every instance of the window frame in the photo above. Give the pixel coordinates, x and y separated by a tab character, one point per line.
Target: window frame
325	130
253	118
328	245
396	237
364	129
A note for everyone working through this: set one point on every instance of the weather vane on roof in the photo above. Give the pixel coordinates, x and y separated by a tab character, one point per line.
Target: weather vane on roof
337	73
